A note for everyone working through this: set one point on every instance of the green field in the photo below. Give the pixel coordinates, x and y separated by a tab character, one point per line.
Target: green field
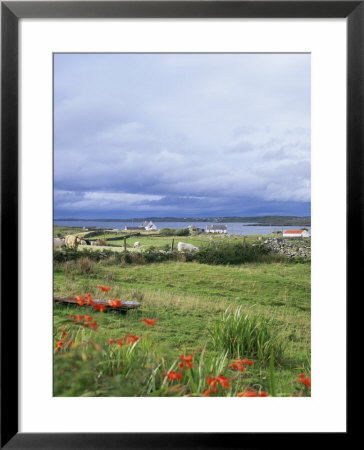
187	299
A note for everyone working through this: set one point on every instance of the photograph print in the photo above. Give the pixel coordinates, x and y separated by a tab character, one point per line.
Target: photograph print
182	225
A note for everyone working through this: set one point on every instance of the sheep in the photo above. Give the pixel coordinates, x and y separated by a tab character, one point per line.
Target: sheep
136	244
183	246
72	241
83	242
58	242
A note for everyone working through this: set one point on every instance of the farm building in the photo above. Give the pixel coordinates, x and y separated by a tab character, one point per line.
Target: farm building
148	226
222	229
296	233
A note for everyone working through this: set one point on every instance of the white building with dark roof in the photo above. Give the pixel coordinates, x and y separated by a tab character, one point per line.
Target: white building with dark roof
148	226
220	229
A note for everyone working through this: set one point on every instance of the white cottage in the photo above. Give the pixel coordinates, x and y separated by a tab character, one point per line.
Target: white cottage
221	229
149	226
296	233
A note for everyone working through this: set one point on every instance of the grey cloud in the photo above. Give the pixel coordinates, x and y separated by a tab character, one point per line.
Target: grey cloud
221	127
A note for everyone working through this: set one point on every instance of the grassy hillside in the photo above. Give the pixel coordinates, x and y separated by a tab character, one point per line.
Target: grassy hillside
188	301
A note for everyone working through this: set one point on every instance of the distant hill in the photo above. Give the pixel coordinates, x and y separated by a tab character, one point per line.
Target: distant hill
261	220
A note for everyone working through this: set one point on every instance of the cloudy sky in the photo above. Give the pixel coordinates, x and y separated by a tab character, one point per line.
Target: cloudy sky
183	135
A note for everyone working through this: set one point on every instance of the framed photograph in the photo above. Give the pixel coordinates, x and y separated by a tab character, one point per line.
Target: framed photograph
170	170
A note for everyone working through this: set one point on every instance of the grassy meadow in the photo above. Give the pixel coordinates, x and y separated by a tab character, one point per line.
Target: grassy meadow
219	330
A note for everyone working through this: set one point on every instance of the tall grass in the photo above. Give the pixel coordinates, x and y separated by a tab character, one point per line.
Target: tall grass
124	360
194	381
242	335
85	265
272	379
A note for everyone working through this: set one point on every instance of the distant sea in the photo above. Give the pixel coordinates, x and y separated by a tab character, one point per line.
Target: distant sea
232	228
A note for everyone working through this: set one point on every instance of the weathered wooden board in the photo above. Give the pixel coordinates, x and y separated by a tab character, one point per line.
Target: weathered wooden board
125	305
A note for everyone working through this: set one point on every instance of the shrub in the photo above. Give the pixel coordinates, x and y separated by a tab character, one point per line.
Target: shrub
70	254
242	335
230	253
151	256
174	232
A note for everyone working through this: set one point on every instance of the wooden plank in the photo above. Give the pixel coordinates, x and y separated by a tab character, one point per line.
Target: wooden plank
125	305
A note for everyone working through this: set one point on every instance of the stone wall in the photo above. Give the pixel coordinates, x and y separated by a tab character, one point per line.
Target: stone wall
292	248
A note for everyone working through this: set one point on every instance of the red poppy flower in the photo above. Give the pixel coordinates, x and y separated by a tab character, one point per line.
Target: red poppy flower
103	288
120	342
223	381
237	366
211	381
248	362
80	300
114	303
305	381
79	318
174	375
59	345
88	318
149	322
187	361
302	375
99	307
131	338
308	382
89	300
64	333
247	394
71	316
186	358
210	391
93	325
112	341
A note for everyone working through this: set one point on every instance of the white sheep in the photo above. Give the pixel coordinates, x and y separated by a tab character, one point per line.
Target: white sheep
72	241
58	242
183	246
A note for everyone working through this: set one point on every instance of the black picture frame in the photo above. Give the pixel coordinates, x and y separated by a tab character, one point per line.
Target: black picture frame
11	12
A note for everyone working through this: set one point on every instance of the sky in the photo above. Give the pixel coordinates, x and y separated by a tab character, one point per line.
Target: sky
181	135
